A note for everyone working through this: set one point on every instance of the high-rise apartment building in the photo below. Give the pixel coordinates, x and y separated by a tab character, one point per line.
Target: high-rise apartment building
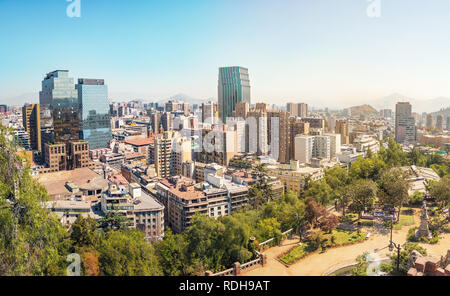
430	121
181	153
303	110
291	108
256	136
405	128
335	144
95	124
322	147
278	136
208	114
304	146
342	129
241	109
163	153
31	117
234	86
386	113
297	109
166	121
440	121
296	127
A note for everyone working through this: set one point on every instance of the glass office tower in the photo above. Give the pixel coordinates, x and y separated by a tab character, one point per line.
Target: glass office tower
95	122
234	86
60	99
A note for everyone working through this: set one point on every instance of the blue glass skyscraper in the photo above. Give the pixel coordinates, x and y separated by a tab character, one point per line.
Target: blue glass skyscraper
234	86
95	121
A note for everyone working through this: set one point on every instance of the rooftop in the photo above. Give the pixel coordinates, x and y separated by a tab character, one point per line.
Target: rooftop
146	202
55	183
140	142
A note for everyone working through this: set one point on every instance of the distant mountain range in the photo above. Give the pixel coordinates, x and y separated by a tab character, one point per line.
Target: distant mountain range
365	110
419	106
445	112
20	100
388	102
185	98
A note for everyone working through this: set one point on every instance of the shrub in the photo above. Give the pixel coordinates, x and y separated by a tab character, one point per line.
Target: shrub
386	267
412	237
366	222
416	198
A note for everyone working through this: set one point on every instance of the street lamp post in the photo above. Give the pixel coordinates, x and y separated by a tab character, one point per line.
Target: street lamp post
393	245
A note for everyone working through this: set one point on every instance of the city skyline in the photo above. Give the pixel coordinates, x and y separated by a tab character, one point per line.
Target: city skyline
153	50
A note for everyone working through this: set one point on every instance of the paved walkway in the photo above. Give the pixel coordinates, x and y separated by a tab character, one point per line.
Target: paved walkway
322	263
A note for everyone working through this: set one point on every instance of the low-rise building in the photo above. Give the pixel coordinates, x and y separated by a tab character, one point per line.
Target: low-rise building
294	176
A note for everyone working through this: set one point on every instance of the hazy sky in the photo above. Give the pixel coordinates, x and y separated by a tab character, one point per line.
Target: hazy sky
318	51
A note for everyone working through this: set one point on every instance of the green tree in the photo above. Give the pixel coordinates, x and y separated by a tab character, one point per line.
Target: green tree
405	255
113	220
416	198
314	211
362	194
83	232
32	240
126	253
235	241
268	228
171	254
320	191
393	188
440	191
360	269
394	155
289	211
262	183
256	197
338	178
367	168
204	238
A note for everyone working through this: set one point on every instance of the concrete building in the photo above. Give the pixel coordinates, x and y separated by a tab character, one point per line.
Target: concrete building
440	121
141	210
405	128
342	129
304	146
181	153
293	176
297	109
364	143
430	120
322	147
208	112
335	144
79	184
31	117
278	136
296	127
